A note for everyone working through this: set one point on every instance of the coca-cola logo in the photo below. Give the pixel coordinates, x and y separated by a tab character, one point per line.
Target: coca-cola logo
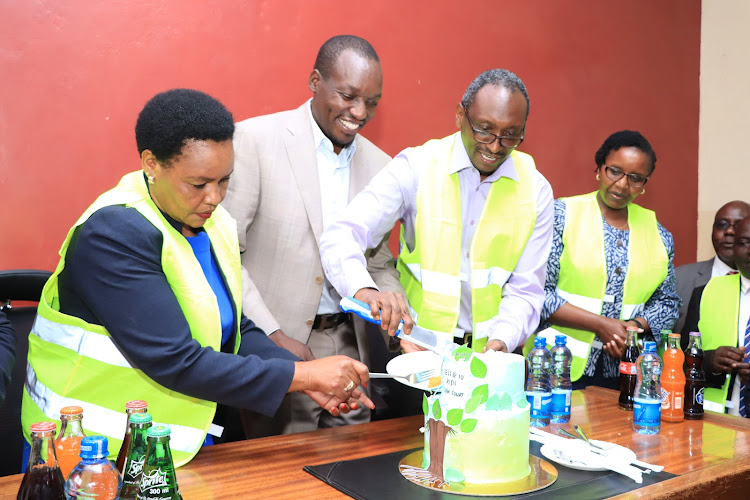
154	478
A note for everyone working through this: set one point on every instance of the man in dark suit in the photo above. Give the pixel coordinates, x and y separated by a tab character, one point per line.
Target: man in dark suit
7	353
697	274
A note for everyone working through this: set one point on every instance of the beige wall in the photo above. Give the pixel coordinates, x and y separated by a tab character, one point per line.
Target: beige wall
724	131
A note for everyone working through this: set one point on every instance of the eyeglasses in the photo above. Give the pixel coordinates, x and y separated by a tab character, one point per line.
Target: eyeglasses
723	224
506	141
616	173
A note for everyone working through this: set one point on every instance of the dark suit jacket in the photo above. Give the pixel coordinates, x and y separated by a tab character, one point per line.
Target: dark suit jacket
689	277
7	353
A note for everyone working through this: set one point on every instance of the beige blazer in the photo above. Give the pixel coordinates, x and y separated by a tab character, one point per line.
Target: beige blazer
274	195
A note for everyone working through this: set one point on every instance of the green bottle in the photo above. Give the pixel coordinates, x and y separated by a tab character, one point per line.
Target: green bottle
663	343
133	467
158	481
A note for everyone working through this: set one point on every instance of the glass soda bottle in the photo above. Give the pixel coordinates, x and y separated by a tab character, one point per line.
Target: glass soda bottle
628	372
538	388
673	381
560	381
664	335
695	378
94	477
131	472
158	480
647	397
43	479
68	442
135	406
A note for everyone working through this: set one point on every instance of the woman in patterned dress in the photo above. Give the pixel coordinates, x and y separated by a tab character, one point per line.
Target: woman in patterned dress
633	250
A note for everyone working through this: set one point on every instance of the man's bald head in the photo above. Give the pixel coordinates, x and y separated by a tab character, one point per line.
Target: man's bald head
725	227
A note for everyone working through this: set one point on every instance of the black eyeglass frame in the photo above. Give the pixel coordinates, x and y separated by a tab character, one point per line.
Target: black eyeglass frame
516	141
634	180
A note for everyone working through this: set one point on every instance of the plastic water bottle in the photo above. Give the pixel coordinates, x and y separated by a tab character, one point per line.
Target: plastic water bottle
538	389
647	400
94	476
560	381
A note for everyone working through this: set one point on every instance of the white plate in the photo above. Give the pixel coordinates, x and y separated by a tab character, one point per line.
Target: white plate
614	453
412	362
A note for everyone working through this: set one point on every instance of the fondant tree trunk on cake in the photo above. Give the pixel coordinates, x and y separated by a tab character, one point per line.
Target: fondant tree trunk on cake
438	434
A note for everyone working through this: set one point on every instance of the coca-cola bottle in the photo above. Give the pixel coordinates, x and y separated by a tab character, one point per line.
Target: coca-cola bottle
43	479
695	378
628	371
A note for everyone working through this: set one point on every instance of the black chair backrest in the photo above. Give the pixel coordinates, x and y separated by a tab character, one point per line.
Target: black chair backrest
17	285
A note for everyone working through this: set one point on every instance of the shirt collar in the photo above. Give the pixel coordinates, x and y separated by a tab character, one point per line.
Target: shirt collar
720	268
744	284
321	141
461	161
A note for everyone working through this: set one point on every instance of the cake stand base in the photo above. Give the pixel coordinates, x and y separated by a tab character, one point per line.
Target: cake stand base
542	475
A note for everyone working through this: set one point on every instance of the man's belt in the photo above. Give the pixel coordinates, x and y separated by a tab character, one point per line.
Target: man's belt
325	321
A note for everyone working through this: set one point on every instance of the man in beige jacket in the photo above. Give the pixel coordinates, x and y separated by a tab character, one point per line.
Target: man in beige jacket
295	171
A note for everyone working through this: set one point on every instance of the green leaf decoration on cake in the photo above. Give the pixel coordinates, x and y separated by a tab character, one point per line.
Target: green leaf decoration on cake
454	476
473	403
425	405
468	424
454	416
462	352
506	402
522	403
483	391
478	368
493	403
437	412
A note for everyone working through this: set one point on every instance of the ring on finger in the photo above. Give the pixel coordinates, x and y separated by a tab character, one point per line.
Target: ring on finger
349	386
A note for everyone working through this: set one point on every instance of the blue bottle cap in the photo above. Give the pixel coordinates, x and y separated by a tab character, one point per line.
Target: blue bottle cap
540	342
649	346
94	447
561	339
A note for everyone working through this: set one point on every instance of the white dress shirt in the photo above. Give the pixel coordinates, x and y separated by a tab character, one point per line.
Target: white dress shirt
744	315
720	268
333	178
392	196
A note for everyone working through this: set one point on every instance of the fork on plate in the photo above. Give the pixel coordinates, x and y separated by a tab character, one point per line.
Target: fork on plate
412	378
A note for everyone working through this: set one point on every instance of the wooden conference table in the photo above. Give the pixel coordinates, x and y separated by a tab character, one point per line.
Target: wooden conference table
711	456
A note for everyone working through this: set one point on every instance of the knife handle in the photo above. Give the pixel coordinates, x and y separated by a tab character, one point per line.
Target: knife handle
361	309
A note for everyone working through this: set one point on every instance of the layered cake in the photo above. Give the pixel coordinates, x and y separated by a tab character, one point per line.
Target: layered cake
477	424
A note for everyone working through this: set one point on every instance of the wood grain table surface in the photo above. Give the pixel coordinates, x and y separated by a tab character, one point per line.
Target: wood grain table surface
711	456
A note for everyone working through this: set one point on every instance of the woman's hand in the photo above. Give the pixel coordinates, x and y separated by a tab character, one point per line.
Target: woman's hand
332	382
613	333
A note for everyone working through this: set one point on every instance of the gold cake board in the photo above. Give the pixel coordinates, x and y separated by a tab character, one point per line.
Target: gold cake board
542	475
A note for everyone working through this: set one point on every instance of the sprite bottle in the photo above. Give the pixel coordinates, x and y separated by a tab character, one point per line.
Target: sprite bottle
158	480
133	466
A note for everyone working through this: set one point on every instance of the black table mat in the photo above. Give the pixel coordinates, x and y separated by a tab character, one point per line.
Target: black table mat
378	477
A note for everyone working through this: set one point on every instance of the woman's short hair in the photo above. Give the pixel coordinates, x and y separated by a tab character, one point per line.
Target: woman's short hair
625	139
171	118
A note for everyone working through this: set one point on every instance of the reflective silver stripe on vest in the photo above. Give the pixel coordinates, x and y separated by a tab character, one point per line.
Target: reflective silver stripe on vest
102	420
80	340
712	406
482	278
578	348
589	304
442	283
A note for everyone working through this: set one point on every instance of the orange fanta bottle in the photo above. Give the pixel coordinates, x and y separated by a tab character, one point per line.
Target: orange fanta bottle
673	381
68	442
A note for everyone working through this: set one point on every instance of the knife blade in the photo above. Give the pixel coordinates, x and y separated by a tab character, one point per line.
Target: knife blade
422	337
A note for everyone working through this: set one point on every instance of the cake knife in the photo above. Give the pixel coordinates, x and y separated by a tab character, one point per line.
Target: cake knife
420	336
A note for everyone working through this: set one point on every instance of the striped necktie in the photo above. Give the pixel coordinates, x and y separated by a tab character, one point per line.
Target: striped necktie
744	398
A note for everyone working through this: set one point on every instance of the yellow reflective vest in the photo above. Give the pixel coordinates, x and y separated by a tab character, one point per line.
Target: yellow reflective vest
72	362
719	314
583	269
430	273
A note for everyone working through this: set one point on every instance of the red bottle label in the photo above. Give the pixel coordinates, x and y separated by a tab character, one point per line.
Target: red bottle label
627	368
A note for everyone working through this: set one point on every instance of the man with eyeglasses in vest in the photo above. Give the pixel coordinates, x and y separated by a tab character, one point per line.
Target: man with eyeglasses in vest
696	275
476	226
720	311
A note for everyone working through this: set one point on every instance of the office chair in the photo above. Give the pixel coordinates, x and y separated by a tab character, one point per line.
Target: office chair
17	285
